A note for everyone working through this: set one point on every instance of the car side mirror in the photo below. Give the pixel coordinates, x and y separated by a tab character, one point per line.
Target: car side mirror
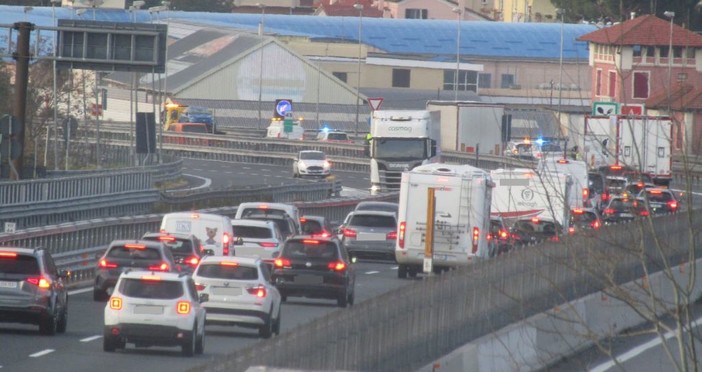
204	297
239	241
208	252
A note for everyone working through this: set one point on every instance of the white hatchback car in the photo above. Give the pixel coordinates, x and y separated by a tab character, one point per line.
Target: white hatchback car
155	309
311	163
240	293
260	238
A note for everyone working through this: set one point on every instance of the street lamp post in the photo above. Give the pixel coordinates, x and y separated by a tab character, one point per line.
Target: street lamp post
261	29
671	15
358	7
133	94
53	71
561	13
459	15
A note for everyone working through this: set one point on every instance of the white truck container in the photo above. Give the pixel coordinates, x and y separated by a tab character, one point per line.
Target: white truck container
640	142
522	193
214	231
579	195
400	141
462	216
464	125
277	130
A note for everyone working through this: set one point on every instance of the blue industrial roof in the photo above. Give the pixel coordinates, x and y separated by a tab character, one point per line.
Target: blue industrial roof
394	36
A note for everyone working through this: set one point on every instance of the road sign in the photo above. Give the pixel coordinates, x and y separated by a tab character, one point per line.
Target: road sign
375	103
288	122
282	106
10	227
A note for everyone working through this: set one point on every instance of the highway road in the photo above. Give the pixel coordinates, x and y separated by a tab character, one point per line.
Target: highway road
80	348
223	174
639	350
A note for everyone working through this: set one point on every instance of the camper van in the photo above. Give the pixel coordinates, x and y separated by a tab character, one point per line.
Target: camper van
462	196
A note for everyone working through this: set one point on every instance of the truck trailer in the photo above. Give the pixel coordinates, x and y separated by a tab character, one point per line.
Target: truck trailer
470	126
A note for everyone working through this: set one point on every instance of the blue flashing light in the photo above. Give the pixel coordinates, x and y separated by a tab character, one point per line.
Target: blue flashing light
325	129
539	141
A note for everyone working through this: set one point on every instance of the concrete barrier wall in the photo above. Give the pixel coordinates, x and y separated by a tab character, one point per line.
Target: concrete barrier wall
546	338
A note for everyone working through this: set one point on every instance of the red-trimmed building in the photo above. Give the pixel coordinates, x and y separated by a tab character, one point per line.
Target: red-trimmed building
631	65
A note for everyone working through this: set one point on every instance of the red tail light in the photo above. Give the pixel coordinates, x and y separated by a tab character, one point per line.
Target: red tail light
489	236
596	224
268	244
349	233
160	267
322	234
586	193
673	205
608	211
257	291
392	235
401	237
8	255
40	282
281	263
571	230
337	266
166	238
604	196
192	261
643	213
200	287
225	244
555	238
107	264
183	307
134	246
476	238
504	234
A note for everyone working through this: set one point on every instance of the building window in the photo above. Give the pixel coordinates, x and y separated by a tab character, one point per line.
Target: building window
400	78
467	80
341	76
637	50
598	83
416	13
650	52
507	81
690	53
641	85
677	52
663	51
612	83
485	80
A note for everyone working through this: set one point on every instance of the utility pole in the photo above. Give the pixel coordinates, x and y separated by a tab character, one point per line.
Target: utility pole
21	80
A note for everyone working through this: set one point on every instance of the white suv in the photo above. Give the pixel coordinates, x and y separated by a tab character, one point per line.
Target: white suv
155	308
260	238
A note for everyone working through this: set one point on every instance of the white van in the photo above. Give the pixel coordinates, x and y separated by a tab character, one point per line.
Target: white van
277	130
214	231
577	169
250	208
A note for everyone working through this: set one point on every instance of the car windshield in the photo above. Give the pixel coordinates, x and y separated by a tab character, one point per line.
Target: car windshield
156	289
258	212
312	227
659	196
252	232
377	207
337	136
20	264
523	148
134	253
312	155
227	271
584	217
280	221
620	204
616	184
369	220
541	227
405	148
196	110
310	249
551	147
179	247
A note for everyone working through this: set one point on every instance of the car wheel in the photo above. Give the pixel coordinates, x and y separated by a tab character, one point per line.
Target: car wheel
188	347
402	271
200	344
100	295
276	326
266	330
109	344
63	320
49	324
342	300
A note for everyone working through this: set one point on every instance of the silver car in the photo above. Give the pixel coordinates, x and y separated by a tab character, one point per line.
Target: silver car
370	234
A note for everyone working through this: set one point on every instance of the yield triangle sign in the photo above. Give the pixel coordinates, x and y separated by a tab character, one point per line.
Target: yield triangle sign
375	103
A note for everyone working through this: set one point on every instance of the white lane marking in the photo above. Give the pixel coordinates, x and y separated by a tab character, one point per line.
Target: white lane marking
394	268
41	353
264	170
79	291
247	168
631	354
206	184
92	338
372	272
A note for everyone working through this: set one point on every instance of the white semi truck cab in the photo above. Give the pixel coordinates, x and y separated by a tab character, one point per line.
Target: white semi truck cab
400	141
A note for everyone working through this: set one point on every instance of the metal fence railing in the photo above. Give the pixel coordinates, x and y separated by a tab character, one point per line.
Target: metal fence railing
409	327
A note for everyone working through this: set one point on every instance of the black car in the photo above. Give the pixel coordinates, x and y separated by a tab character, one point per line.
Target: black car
186	249
584	219
620	209
499	238
659	200
535	230
315	267
32	290
316	226
136	254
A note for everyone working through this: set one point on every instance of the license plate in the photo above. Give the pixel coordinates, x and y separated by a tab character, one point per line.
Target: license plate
148	309
370	236
8	284
226	291
308	279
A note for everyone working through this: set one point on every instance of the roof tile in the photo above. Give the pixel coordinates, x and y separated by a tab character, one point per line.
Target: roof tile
644	30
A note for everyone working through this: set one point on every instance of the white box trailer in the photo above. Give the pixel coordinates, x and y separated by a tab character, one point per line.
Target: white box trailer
462	216
522	193
464	125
